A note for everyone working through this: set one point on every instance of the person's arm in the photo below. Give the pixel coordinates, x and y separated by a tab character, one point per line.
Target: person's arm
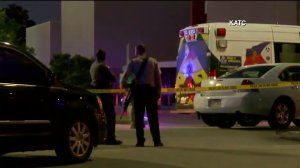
110	75
125	76
158	82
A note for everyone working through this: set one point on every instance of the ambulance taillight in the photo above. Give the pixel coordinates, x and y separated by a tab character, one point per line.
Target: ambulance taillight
221	32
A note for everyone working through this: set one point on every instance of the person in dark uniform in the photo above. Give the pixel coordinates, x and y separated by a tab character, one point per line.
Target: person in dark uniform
145	94
102	78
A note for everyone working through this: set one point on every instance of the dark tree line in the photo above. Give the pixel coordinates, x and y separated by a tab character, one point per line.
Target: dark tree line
13	23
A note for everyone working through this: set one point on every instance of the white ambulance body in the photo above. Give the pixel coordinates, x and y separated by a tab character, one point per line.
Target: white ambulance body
212	49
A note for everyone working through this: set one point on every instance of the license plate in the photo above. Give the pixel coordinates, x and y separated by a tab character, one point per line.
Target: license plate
214	103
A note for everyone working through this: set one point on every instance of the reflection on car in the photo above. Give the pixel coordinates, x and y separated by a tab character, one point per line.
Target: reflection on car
37	112
279	106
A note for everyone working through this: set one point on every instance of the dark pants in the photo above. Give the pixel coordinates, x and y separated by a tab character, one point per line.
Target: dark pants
109	110
145	96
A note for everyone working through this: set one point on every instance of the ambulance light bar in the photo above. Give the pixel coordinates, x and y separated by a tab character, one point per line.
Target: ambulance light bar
199	30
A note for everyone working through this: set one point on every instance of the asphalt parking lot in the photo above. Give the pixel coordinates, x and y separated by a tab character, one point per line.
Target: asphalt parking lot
188	144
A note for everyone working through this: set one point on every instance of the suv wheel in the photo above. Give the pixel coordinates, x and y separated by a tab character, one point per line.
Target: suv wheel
75	143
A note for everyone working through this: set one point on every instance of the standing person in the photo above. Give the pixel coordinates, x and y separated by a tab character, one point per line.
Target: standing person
145	94
102	78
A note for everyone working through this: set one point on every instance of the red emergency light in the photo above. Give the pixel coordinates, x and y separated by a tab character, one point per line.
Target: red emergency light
221	32
201	30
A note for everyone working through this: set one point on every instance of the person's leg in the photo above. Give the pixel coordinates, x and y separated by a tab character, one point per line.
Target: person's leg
109	109
109	114
139	109
152	113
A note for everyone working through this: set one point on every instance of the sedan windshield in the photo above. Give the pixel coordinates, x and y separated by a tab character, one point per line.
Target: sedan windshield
250	72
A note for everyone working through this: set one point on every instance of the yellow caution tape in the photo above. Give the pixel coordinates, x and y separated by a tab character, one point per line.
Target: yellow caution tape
199	89
107	90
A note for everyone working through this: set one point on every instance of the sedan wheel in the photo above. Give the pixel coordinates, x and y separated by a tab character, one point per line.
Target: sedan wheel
281	115
225	121
75	143
208	119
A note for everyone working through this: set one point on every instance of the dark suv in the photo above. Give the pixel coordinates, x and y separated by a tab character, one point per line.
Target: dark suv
37	112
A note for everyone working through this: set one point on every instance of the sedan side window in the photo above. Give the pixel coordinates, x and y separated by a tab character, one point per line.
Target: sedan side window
295	77
290	74
252	72
284	76
17	68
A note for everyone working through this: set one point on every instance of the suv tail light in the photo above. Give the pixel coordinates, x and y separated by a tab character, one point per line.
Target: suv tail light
99	103
100	112
100	107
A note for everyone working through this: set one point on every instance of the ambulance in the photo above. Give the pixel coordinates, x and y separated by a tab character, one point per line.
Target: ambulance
211	49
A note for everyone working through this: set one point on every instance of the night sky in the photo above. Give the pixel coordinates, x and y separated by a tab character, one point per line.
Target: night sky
38	11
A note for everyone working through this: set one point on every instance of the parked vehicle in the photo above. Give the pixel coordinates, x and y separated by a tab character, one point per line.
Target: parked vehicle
38	112
279	106
212	49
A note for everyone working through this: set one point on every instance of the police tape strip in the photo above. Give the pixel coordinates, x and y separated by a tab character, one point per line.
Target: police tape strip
214	88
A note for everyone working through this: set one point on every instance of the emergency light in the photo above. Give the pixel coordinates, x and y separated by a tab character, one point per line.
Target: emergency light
221	32
181	33
201	30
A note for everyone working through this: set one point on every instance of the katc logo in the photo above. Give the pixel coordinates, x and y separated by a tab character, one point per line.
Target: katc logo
237	22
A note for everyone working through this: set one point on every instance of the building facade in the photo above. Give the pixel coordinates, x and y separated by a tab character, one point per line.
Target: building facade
45	38
269	12
117	26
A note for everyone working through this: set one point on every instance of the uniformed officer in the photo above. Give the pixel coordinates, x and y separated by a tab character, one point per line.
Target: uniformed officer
145	94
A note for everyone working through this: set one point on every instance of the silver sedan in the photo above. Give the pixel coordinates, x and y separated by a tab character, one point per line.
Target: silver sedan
279	106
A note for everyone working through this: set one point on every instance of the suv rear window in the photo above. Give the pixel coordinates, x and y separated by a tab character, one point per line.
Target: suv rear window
16	68
251	72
